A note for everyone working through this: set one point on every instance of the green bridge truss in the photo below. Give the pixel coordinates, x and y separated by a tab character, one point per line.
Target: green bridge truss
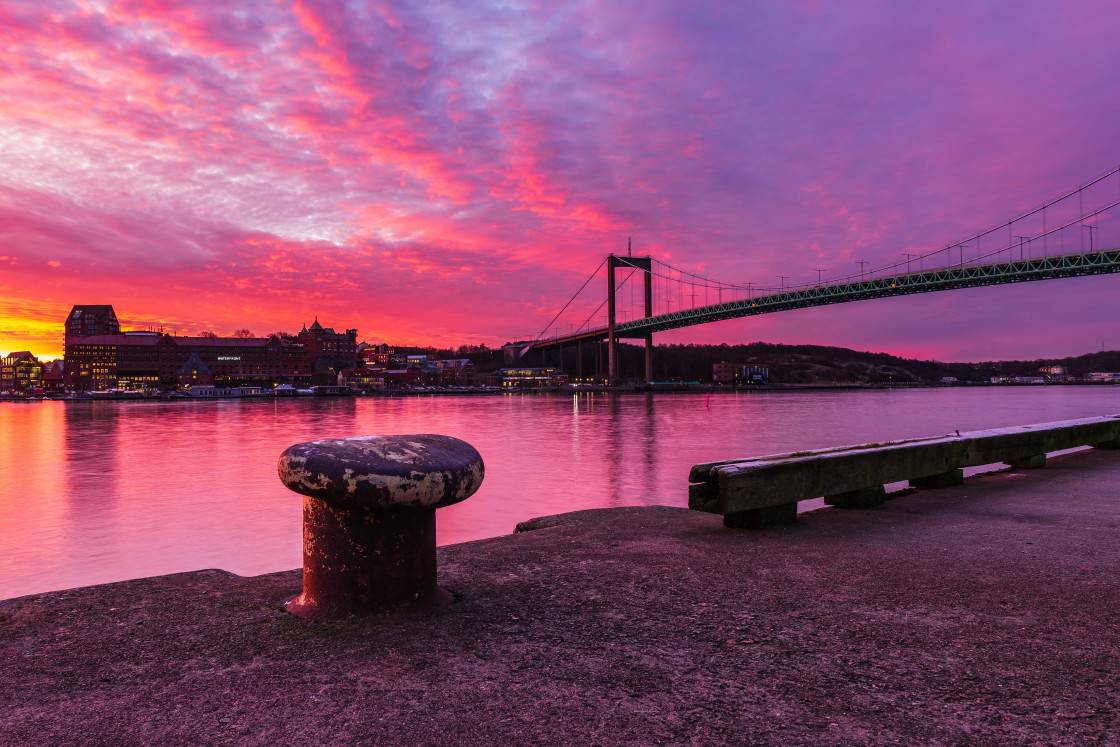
927	281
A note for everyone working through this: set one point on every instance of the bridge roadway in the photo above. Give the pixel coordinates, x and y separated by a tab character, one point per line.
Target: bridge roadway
923	281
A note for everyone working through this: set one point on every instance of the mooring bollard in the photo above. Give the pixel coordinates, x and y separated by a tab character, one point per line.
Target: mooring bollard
369	519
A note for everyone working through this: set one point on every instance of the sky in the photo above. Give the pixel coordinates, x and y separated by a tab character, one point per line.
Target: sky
449	173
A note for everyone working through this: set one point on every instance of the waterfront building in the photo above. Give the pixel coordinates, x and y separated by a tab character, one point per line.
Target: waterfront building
1055	373
52	377
527	378
20	372
149	360
739	373
401	377
383	356
455	372
88	321
330	352
430	372
194	373
362	379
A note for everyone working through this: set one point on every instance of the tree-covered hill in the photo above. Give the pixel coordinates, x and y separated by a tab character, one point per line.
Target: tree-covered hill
795	364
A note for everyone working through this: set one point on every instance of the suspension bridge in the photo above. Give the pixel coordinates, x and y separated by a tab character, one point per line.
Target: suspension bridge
1063	238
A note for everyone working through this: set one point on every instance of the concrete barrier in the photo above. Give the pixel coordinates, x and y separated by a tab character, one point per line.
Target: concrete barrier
764	491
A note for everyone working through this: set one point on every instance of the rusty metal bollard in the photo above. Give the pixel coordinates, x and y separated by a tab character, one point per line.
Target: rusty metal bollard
369	519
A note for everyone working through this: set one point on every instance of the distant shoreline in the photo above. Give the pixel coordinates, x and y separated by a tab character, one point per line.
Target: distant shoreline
632	389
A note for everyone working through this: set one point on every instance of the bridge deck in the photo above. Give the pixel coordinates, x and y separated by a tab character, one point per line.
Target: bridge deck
925	281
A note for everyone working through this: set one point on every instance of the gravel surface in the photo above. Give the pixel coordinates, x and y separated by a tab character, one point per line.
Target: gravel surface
982	614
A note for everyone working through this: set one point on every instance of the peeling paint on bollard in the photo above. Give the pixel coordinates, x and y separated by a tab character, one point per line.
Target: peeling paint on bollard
369	529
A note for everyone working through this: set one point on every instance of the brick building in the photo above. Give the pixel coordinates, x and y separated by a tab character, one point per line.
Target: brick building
330	352
87	321
383	356
111	359
739	373
53	378
456	372
195	373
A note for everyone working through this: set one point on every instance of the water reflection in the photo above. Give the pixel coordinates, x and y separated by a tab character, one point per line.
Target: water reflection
102	491
33	504
92	467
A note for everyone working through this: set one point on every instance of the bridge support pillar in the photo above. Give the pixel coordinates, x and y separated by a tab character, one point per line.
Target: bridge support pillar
648	287
612	359
644	264
649	358
612	339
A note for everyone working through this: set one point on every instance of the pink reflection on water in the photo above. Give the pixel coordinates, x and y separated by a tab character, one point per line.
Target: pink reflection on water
32	491
99	491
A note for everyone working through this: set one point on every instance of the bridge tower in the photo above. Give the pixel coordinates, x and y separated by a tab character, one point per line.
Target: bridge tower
645	264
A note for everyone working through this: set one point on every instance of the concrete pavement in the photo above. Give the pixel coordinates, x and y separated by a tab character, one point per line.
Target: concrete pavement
981	614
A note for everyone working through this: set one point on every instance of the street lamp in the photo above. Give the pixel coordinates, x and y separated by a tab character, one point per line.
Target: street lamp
819	271
1021	240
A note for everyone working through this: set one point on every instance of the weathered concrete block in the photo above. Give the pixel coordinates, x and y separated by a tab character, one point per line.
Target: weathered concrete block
369	521
949	479
704	497
864	498
772	481
743	486
1113	444
761	518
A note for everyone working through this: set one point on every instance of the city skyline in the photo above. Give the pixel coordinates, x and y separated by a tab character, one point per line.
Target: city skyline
450	174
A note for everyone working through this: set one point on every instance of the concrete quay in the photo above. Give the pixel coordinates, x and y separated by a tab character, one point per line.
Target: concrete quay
987	613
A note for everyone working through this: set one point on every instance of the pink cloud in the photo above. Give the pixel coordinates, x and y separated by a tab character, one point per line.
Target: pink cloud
454	172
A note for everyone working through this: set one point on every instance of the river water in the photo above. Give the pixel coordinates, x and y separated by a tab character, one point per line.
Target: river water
92	492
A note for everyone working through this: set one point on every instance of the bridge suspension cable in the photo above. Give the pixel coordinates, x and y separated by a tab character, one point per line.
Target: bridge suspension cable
569	303
919	258
1009	224
1048	223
